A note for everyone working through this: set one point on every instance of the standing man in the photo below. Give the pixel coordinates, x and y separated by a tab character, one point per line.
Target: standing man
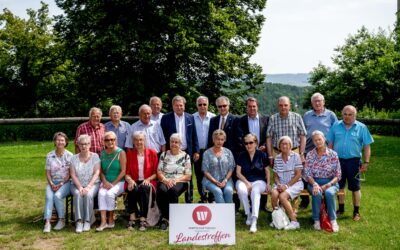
120	128
182	123
95	129
154	134
319	118
230	124
349	138
202	122
256	124
285	123
156	106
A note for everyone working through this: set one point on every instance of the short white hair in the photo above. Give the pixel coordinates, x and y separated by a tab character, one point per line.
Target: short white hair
115	107
315	95
93	110
177	137
84	139
285	138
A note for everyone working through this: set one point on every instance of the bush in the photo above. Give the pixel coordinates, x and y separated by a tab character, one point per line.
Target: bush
372	113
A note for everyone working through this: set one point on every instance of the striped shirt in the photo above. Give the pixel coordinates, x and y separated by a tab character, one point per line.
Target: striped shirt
96	134
285	170
292	126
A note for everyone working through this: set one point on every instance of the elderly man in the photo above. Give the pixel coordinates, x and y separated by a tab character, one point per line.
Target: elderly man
285	123
156	106
230	124
256	124
94	128
182	123
319	118
154	134
202	122
120	128
349	138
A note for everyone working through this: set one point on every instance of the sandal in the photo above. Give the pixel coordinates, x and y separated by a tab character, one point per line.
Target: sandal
143	225
356	217
131	225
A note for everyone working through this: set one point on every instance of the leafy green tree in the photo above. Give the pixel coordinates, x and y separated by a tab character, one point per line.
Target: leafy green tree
35	79
129	50
366	73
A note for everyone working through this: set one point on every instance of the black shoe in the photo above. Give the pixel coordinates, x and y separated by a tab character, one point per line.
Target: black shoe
164	224
303	204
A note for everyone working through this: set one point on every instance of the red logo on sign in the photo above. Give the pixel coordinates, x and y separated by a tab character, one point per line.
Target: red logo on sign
201	215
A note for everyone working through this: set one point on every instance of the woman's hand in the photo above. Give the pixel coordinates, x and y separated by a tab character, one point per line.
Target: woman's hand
55	187
83	191
249	186
107	185
222	183
131	185
316	189
146	182
268	188
170	183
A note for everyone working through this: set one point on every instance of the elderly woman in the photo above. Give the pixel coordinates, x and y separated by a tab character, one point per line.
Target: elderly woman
57	173
141	175
322	172
287	175
174	172
218	165
112	172
253	179
84	170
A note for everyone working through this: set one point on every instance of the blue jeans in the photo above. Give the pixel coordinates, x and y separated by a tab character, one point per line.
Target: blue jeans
330	195
56	199
221	195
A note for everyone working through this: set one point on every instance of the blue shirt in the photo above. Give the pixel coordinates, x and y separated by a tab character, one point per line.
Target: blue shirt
154	135
254	127
348	143
121	131
322	122
253	170
202	127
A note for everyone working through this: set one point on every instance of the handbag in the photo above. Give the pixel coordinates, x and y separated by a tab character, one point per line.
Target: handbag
324	219
279	218
153	213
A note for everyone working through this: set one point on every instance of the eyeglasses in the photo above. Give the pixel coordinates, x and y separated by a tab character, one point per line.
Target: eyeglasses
222	106
84	144
249	142
108	140
360	176
202	104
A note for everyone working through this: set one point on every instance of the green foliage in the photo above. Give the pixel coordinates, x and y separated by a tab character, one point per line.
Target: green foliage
35	78
130	50
367	73
368	112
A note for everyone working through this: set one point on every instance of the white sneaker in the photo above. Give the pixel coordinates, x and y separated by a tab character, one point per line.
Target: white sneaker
79	227
293	225
86	226
317	225
60	225
335	226
249	220
47	228
253	227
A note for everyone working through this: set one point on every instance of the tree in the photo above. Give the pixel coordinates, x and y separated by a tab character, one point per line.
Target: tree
130	50
35	78
366	74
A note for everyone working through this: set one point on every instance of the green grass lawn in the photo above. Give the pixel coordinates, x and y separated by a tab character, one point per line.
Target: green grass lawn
22	182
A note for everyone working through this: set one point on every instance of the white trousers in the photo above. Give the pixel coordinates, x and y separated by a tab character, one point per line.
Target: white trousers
106	197
258	187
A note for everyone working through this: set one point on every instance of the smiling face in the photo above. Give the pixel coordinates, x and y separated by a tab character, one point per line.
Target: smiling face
349	114
202	106
95	118
252	109
174	145
219	141
179	107
250	144
145	115
84	146
318	104
110	141
319	141
60	142
223	107
139	142
285	146
115	115
156	106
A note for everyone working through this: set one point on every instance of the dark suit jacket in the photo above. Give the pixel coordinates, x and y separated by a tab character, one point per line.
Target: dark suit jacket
233	133
168	126
244	124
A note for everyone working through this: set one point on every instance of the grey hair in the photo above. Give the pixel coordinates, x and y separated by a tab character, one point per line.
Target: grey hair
108	133
139	133
144	106
115	107
155	98
221	98
317	132
315	95
94	109
176	136
178	98
84	138
352	108
218	132
285	137
201	97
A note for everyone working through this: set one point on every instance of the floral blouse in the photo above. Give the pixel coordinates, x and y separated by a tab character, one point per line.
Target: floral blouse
218	167
324	166
84	171
58	166
175	166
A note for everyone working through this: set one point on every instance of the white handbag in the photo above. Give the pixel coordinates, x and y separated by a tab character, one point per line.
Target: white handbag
279	218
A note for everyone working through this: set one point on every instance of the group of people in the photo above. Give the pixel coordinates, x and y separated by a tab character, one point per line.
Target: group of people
152	161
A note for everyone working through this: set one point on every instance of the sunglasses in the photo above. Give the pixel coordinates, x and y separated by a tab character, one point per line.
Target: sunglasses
222	106
249	142
108	140
202	104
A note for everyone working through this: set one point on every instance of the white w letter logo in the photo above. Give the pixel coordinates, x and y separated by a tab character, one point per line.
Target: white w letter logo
201	216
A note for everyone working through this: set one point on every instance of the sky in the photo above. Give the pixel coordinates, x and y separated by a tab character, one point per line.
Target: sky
297	34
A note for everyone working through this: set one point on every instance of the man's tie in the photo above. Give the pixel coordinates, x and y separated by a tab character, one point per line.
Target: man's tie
222	123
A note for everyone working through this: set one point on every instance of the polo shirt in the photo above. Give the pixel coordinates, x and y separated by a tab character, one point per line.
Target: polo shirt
121	131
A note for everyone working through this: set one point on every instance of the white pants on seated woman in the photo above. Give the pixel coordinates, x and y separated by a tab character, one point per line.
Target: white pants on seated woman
106	197
294	190
258	187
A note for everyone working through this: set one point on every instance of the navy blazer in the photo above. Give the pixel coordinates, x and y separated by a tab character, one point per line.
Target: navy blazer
168	126
244	124
233	133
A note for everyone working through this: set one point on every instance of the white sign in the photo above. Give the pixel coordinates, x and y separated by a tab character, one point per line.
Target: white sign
202	224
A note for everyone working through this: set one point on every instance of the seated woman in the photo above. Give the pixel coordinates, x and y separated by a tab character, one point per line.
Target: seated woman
174	172
253	178
218	165
141	175
84	170
322	172
287	175
112	173
57	173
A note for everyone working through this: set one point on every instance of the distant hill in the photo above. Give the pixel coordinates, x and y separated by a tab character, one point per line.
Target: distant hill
299	79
